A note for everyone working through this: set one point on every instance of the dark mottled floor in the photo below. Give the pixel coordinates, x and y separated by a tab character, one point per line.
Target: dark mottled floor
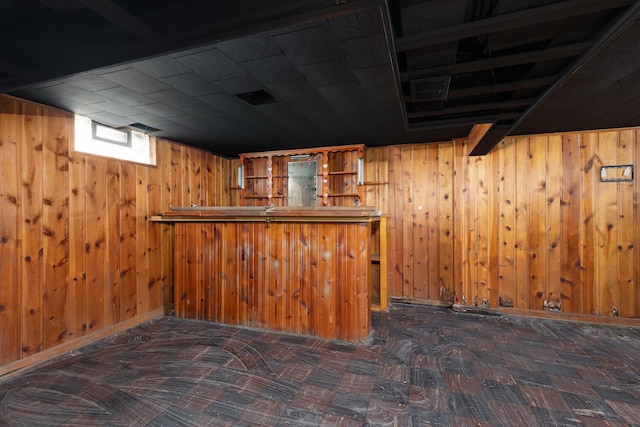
422	366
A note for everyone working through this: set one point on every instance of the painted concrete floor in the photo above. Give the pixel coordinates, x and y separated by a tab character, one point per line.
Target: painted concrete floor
422	366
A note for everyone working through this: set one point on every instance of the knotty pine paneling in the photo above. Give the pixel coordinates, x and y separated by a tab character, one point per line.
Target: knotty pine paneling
77	252
529	222
298	277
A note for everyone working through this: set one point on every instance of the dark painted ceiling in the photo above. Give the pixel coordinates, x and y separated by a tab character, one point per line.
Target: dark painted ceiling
254	75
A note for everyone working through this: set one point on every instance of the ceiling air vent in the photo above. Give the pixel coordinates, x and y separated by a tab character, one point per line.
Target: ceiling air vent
144	128
430	89
257	97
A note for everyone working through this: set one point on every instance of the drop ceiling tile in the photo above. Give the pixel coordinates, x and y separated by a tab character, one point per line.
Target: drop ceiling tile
359	24
294	89
223	101
211	64
162	110
90	82
135	80
328	73
174	98
331	124
191	84
125	96
383	98
109	119
310	46
375	76
116	108
72	93
150	119
249	116
272	69
203	111
366	51
159	67
295	28
241	84
249	48
193	122
310	104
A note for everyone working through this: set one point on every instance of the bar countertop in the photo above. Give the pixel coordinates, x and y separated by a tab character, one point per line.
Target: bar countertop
268	214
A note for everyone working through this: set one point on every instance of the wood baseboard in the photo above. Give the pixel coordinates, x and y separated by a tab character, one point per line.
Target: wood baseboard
20	365
552	315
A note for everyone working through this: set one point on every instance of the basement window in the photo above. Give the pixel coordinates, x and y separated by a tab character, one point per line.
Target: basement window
116	143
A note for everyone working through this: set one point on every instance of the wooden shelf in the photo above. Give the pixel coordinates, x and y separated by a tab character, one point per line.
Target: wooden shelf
340	195
264	176
375	258
343	173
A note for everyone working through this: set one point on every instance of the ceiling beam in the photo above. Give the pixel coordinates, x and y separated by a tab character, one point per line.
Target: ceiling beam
516	103
489	140
507	21
497	88
478	132
462	121
121	18
576	49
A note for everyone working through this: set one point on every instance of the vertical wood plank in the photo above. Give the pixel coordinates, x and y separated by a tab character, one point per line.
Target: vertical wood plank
155	192
77	237
590	174
485	229
306	278
538	267
55	220
395	223
327	280
522	224
419	215
460	233
165	157
95	244
473	230
446	213
627	221
245	254
407	258
554	218
142	239
506	195
572	287
113	298
607	254
128	241
10	229
32	245
363	257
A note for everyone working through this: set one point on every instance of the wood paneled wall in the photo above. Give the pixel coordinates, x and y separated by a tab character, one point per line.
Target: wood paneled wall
529	222
300	277
77	252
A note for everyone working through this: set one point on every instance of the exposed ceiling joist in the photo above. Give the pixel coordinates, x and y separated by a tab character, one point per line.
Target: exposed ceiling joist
501	87
575	49
509	21
516	103
465	121
477	133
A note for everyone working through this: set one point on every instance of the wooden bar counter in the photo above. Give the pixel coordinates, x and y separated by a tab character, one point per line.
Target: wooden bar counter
297	270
